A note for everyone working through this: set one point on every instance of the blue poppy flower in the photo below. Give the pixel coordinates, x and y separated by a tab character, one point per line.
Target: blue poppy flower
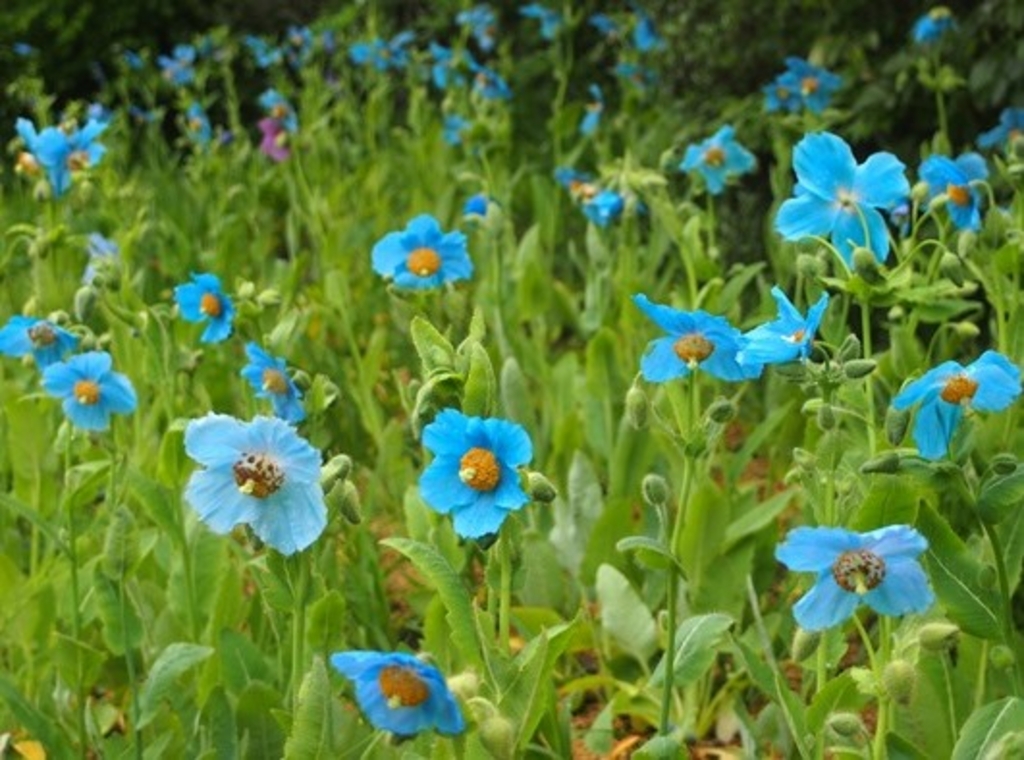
550	20
299	41
60	153
604	207
718	158
481	23
474	472
102	252
197	125
838	197
487	82
422	256
269	377
788	337
90	389
178	67
454	126
802	85
442	70
595	108
475	205
645	36
47	343
203	300
879	568
263	53
953	179
1011	125
990	384
695	340
933	25
277	107
604	24
261	473
400	693
782	94
639	77
382	55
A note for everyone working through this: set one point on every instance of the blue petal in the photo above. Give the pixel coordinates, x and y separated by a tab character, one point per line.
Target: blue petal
660	362
389	254
895	542
509	442
934	427
881	181
928	386
215	497
425	230
295	455
940	171
188	298
14	338
293	518
442	488
218	328
509	493
354	663
117	394
216	440
825	605
479	519
86	416
998	382
904	589
446	434
973	166
806	215
92	365
668	319
824	165
815	549
59	380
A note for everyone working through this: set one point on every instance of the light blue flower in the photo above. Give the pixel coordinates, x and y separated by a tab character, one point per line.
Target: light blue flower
299	41
550	20
990	384
203	300
604	208
474	475
442	70
47	342
90	389
933	25
481	22
383	56
487	82
718	158
603	23
802	85
261	473
695	340
263	53
268	375
475	205
1011	124
788	337
645	36
879	568
277	107
837	197
422	256
197	125
400	693
60	153
454	126
954	180
595	108
178	67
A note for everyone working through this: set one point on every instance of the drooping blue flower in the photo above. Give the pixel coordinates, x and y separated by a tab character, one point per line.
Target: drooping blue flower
442	70
595	108
481	23
133	60
454	126
879	568
422	256
400	693
197	125
604	24
60	153
641	78
1011	125
788	337
604	208
954	180
299	40
579	184
933	25
263	53
645	36
718	158
277	107
837	197
178	67
551	21
802	85
203	300
268	375
943	393
487	82
261	473
91	391
475	205
47	342
23	49
695	340
101	251
474	474
382	55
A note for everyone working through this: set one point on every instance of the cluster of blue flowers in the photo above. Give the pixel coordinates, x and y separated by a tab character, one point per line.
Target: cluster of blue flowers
59	151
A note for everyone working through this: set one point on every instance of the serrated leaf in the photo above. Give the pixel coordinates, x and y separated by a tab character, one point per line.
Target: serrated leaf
624	616
1001	497
317	719
480	389
435	351
173	662
697	641
980	737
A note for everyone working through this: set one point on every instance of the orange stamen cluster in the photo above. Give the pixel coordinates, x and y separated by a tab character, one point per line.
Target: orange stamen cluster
423	262
78	160
958	194
210	305
258	475
858	571
809	85
479	469
402	687
693	348
959	389
714	156
274	381
86	392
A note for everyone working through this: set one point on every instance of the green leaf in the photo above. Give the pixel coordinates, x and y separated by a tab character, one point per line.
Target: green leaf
649	552
220	724
122	626
317	718
241	661
480	390
753	520
435	350
660	748
980	737
119	545
261	733
624	615
1001	497
451	590
173	662
891	500
839	693
697	643
575	516
515	398
327	623
38	725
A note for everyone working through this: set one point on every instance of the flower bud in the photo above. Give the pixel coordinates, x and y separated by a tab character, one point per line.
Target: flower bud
826	417
637	407
964	245
268	297
302	380
655	490
938	637
866	265
804	644
245	290
846	724
966	330
809	266
1002	657
896	422
344	498
1004	464
338	468
498	736
886	463
804	458
858	368
951	267
465	685
721	411
849	350
900	680
85	301
919	192
540	488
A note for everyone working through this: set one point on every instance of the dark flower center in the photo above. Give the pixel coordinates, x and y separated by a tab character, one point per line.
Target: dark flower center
423	262
479	469
41	334
847	200
258	475
958	194
78	160
959	388
693	348
274	381
714	156
279	111
858	571
86	392
210	305
402	687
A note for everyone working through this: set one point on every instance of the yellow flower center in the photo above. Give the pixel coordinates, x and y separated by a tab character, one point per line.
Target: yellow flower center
958	389
809	85
579	189
858	571
41	334
958	194
195	124
26	164
210	305
78	160
86	392
423	262
279	111
714	156
402	687
782	93
258	475
479	469
274	381
797	336
693	348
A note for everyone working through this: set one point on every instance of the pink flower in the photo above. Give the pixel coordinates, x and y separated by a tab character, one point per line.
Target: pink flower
274	143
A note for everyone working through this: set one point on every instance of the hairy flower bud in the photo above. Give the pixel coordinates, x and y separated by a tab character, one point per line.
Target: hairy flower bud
846	724
637	407
952	268
850	349
344	498
826	417
1002	657
540	488
721	411
655	490
1004	464
498	736
866	265
804	644
338	468
885	463
900	680
938	637
896	422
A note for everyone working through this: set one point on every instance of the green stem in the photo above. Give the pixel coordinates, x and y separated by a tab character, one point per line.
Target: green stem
299	627
670	647
1004	592
76	602
869	388
979	686
950	702
711	224
505	598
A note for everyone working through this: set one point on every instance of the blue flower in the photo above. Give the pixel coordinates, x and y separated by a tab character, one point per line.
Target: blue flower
954	180
277	107
268	376
262	52
60	153
443	68
592	118
422	256
382	55
474	473
718	158
802	85
261	473
400	693
604	24
197	125
1011	125
639	77
202	300
91	390
695	340
481	23
645	36
300	45
550	20
838	197
990	384
879	568
788	337
604	208
133	60
487	82
43	339
178	67
454	126
933	25
475	204
101	251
